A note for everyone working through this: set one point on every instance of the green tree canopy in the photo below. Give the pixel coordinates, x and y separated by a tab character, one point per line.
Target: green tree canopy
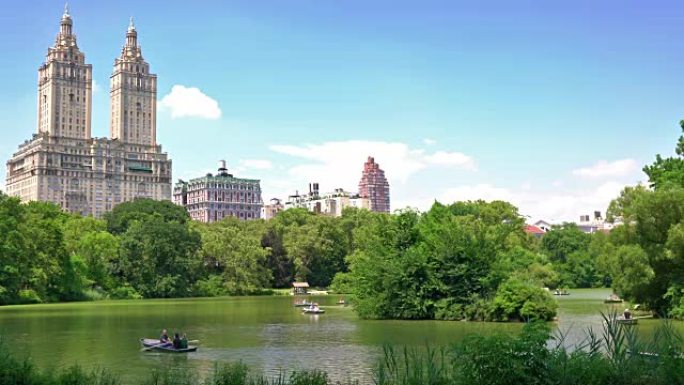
667	172
119	218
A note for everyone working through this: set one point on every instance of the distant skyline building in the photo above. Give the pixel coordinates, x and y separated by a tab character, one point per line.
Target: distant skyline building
62	163
213	197
332	203
593	224
374	186
272	209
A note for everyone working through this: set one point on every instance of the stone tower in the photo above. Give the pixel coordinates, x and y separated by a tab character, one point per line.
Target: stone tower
133	95
65	87
63	163
374	186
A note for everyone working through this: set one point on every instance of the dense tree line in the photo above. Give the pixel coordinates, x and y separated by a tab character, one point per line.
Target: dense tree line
446	263
148	249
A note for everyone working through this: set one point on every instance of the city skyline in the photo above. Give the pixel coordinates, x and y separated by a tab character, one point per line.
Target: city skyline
553	108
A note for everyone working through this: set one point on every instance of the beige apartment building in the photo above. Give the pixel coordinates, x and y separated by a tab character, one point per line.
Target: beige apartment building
63	163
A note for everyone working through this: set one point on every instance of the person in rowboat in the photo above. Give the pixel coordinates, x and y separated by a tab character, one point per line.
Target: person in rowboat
176	341
184	341
164	337
627	314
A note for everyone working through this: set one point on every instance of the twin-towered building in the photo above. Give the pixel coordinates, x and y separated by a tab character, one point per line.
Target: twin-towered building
62	162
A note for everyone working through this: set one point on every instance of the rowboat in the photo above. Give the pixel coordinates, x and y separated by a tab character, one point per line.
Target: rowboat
612	299
154	344
313	310
304	303
627	321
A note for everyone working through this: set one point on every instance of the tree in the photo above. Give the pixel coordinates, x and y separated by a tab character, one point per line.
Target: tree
14	262
159	257
52	276
234	249
668	172
519	300
88	241
632	273
317	249
118	219
279	261
382	276
564	240
645	266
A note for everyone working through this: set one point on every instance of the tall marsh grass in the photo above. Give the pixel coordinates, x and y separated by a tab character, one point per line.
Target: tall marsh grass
616	355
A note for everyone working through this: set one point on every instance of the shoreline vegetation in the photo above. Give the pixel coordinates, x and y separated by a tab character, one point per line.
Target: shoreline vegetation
462	261
615	354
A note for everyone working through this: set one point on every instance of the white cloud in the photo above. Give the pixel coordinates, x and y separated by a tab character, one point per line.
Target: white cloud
457	159
429	142
96	87
339	164
552	206
190	102
258	164
604	168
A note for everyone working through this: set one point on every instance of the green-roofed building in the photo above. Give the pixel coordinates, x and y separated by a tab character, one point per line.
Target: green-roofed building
213	197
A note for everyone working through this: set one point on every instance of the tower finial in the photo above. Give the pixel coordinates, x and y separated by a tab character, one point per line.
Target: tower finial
131	26
66	9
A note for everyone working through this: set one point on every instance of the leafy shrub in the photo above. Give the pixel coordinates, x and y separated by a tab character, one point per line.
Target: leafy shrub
504	359
342	283
210	287
449	310
94	295
478	309
124	292
29	296
521	300
675	295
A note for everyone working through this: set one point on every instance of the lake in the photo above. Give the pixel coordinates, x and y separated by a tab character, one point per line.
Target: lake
267	333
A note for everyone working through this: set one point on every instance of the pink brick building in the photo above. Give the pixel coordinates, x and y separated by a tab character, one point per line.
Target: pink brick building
374	186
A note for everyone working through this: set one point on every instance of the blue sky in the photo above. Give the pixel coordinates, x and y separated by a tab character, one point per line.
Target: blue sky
554	106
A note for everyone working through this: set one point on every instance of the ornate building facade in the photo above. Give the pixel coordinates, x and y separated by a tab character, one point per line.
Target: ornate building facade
374	186
63	163
213	197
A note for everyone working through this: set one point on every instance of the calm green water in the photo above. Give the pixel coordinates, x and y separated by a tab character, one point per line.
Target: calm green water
267	333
